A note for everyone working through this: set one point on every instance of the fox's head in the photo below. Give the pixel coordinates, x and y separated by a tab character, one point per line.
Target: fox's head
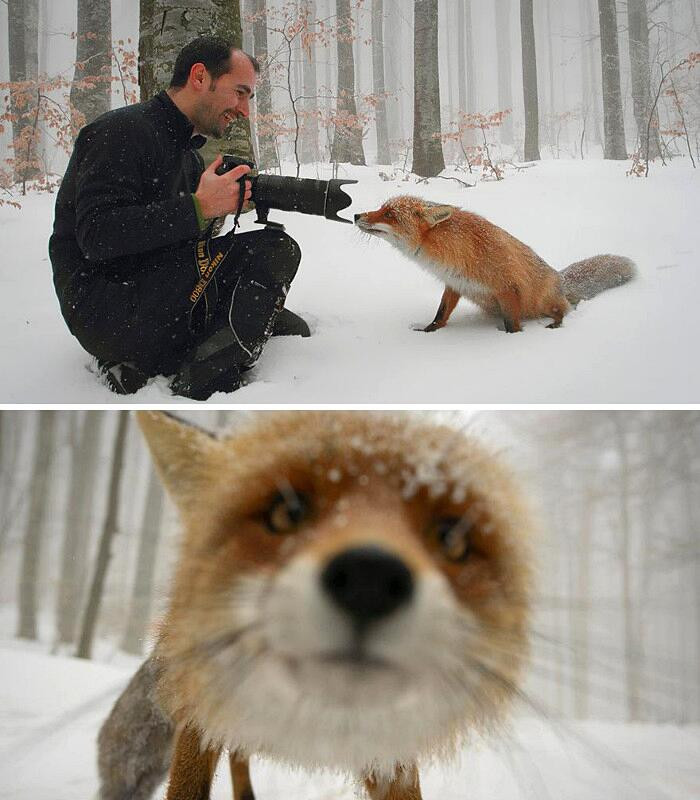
352	588
404	220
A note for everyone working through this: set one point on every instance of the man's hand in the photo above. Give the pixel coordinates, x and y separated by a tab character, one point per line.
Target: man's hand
218	195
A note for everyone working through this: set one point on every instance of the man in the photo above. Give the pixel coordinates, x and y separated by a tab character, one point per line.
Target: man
140	283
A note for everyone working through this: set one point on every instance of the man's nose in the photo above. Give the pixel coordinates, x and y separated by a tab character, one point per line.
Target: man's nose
244	108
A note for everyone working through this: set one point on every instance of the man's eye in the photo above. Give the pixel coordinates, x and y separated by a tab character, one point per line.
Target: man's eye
286	512
453	534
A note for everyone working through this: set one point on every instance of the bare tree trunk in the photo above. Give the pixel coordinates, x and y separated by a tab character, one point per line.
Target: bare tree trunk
582	607
383	152
93	59
392	63
631	651
142	595
12	425
641	77
532	117
613	121
267	152
309	138
22	24
593	75
76	535
109	531
165	27
35	525
428	159
505	69
347	141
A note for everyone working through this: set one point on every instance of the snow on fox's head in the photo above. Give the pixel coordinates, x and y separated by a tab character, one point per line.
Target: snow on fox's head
404	220
352	590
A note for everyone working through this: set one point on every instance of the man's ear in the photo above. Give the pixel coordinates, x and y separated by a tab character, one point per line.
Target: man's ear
434	215
187	458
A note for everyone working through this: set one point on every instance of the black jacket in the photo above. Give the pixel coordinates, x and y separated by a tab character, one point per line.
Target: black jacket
125	199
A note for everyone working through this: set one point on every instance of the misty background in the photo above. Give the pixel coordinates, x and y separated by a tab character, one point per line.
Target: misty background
474	58
88	541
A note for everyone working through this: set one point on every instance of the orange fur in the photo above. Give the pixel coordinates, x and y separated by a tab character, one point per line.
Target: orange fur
469	252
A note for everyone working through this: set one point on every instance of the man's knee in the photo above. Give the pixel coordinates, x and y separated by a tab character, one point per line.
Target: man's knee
279	256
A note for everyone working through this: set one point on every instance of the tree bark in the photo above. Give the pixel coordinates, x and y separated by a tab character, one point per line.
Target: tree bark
109	531
383	152
613	123
35	525
638	22
532	116
165	27
309	132
347	140
428	159
23	33
76	535
505	69
267	152
93	59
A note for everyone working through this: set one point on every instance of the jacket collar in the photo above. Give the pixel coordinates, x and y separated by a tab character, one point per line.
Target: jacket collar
178	123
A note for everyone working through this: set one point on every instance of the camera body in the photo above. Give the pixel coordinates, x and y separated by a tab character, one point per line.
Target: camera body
304	195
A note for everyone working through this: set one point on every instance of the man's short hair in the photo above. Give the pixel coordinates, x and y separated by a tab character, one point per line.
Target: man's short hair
212	51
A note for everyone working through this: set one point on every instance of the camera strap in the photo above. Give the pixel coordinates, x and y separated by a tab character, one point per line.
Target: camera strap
207	262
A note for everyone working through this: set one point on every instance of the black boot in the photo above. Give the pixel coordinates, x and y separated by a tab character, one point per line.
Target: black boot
121	377
210	367
290	324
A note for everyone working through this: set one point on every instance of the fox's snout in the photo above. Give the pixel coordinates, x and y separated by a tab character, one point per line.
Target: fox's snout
367	584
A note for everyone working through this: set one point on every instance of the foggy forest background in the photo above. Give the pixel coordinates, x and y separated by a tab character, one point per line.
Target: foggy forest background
417	84
88	541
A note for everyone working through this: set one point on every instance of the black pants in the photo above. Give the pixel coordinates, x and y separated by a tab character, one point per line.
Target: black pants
149	320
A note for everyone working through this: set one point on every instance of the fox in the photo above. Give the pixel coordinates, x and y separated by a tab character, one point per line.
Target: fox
480	261
352	593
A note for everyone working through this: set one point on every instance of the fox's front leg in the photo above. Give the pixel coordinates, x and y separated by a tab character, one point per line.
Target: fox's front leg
449	300
403	786
240	777
192	770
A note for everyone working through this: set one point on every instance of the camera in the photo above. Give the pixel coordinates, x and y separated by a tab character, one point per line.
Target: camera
304	195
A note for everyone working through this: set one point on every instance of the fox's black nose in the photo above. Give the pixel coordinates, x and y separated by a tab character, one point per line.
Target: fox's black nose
367	583
357	216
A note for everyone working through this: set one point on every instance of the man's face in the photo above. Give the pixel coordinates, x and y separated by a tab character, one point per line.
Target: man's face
225	98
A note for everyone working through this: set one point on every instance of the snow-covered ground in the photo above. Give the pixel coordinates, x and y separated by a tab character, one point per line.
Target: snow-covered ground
52	706
636	344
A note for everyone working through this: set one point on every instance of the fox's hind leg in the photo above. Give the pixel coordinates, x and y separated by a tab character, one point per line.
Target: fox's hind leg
556	311
449	300
240	777
403	786
511	308
193	768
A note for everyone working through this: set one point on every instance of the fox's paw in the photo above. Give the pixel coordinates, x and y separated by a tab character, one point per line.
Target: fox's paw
428	328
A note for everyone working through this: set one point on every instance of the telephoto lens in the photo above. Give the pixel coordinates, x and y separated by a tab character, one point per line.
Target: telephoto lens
304	195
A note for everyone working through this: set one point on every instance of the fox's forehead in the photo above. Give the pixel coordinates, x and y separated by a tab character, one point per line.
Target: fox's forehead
336	455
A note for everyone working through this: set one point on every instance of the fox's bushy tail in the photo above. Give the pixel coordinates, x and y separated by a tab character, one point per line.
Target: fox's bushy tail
135	742
585	279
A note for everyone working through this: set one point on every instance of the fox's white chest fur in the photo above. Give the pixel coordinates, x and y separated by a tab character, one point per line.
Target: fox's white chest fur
444	273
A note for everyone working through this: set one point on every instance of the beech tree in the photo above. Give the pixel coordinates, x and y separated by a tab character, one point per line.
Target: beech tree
93	64
428	159
165	27
532	114
613	122
347	140
638	20
383	152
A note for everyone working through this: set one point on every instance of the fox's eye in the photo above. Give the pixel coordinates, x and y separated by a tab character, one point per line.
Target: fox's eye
286	512
454	537
388	214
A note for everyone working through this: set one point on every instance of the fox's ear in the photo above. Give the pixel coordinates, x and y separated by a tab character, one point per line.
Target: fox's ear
187	457
434	215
